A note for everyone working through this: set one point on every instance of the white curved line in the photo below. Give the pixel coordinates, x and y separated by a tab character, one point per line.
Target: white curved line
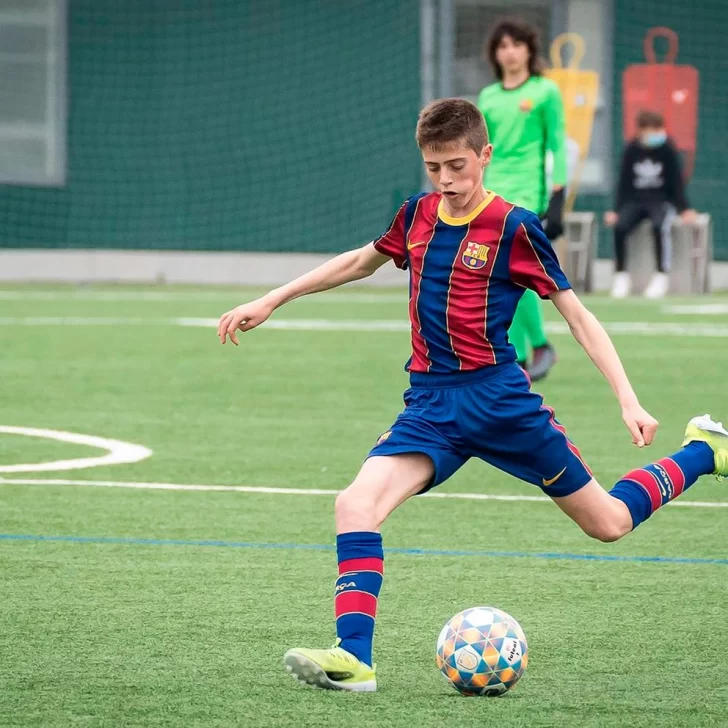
118	451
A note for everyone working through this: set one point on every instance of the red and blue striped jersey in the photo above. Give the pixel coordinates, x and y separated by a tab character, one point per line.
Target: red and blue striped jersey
466	278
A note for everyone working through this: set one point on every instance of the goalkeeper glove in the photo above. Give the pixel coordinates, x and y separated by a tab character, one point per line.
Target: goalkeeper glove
553	222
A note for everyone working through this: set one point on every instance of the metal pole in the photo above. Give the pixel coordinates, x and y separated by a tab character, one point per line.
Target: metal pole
427	51
56	100
559	22
446	37
428	90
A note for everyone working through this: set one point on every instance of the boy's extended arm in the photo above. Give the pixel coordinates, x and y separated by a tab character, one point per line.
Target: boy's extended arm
350	266
599	347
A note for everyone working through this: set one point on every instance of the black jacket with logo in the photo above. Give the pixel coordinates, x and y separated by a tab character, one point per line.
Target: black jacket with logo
651	175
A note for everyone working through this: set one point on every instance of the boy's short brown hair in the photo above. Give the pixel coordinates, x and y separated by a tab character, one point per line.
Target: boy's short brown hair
650	120
445	121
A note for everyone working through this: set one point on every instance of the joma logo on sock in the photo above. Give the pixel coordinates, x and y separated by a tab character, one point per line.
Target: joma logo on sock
664	482
341	587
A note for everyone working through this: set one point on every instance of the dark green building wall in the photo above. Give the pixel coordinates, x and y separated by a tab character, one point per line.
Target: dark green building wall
230	124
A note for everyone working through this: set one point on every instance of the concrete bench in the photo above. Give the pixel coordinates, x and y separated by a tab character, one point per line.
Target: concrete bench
692	252
577	248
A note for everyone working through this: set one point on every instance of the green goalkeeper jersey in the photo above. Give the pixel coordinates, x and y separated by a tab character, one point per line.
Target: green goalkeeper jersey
524	123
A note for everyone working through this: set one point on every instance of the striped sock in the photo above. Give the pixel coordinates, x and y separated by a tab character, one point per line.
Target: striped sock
645	490
361	570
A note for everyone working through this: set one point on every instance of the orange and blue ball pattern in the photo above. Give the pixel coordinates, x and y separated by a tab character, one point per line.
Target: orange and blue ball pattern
482	651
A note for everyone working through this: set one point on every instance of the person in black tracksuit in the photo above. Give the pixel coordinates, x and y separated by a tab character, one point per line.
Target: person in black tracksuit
650	187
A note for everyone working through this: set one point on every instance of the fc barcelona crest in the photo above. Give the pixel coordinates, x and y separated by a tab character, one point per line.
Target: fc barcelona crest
475	256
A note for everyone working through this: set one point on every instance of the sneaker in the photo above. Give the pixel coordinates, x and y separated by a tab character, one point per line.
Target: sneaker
658	286
332	669
621	285
544	358
703	429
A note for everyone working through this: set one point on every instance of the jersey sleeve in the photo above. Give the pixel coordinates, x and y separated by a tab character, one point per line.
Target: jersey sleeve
533	263
392	243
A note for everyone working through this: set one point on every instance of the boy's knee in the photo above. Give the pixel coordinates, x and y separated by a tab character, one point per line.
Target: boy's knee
354	512
343	505
607	530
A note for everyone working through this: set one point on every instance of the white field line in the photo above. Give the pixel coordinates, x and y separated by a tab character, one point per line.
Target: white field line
642	328
302	491
707	309
651	328
85	321
234	296
118	452
397	295
313	324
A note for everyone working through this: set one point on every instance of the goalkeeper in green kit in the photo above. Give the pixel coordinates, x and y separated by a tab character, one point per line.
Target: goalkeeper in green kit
525	118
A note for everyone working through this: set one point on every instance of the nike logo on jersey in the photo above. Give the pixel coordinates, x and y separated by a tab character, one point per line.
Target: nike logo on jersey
411	245
551	481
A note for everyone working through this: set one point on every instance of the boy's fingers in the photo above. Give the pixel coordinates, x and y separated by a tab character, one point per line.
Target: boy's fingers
233	321
648	432
222	326
232	328
637	437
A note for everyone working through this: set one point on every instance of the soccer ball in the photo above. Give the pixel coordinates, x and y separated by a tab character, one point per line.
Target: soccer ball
482	651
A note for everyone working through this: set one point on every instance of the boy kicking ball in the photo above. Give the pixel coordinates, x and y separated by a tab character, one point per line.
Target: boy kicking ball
470	255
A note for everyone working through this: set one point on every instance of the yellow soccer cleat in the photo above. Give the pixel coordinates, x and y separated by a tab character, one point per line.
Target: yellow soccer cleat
332	669
713	434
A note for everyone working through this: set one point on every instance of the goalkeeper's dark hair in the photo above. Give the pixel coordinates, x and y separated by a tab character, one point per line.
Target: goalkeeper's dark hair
521	32
445	121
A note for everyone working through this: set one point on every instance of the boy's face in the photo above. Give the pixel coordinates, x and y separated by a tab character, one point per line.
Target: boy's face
512	55
456	171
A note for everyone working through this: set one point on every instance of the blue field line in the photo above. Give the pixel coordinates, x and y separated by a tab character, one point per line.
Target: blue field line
323	547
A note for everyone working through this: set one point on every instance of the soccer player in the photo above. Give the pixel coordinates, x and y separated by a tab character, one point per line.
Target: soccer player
650	187
525	118
470	254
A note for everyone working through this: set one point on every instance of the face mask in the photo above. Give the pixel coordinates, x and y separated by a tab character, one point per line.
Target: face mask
654	138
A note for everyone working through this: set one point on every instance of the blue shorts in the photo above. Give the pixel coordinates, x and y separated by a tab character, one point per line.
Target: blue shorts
490	414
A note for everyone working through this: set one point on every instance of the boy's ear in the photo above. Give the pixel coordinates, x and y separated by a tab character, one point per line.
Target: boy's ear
486	154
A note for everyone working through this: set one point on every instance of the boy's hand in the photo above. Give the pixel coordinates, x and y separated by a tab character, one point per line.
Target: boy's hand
610	218
688	216
640	423
244	318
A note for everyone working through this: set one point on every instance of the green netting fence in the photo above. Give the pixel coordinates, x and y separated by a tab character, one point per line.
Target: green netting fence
287	125
265	125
